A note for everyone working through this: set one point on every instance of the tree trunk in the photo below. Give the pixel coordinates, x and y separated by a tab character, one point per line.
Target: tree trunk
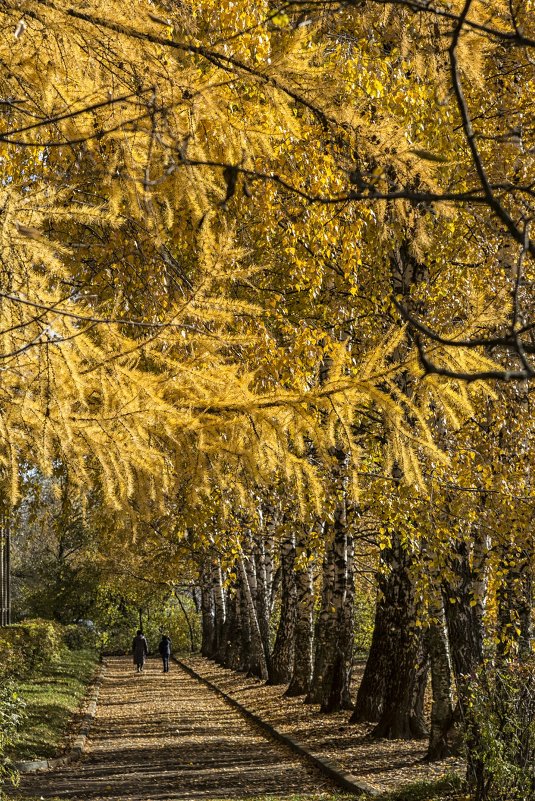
207	613
231	654
514	595
348	626
335	691
5	566
334	641
257	658
304	626
466	643
402	714
463	622
324	623
283	649
372	689
442	708
402	670
525	612
263	593
219	602
188	622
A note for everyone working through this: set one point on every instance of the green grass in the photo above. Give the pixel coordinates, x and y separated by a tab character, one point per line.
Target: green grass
448	788
53	698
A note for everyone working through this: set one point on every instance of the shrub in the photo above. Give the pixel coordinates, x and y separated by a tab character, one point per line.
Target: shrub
78	636
11	716
28	646
502	730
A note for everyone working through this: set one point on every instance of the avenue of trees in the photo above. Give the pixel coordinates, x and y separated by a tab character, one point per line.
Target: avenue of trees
267	337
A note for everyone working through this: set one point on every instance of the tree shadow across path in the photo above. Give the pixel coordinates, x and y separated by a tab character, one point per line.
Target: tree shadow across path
161	737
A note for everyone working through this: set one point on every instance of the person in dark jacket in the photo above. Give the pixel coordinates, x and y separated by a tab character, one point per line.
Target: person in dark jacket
165	651
140	650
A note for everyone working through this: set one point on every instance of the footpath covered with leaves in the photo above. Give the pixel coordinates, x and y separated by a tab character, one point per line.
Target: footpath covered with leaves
385	765
160	736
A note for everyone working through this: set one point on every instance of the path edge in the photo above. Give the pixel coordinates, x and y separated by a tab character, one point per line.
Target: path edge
78	746
327	766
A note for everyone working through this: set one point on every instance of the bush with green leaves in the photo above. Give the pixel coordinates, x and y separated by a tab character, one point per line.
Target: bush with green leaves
78	636
25	647
12	708
501	730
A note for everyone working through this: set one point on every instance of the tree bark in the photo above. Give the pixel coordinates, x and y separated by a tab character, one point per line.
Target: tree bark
324	623
263	592
335	691
257	658
207	613
465	632
304	626
219	602
372	690
514	595
334	641
5	565
283	649
402	716
232	653
401	671
348	625
442	708
525	611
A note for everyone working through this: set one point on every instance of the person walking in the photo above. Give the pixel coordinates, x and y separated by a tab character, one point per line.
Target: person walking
140	650
165	651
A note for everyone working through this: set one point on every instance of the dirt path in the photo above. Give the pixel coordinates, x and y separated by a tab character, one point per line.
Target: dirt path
385	764
159	737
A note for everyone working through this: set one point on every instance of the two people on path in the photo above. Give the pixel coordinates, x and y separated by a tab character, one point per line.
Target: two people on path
140	651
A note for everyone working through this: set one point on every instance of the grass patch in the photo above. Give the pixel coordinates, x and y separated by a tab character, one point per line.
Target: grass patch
448	788
53	697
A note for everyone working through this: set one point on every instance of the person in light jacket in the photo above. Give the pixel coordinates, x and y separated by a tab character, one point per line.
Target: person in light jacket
140	650
165	651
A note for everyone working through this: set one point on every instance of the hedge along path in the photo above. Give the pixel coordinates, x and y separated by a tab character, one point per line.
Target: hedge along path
160	737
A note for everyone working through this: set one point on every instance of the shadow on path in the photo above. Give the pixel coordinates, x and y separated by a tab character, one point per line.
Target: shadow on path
160	737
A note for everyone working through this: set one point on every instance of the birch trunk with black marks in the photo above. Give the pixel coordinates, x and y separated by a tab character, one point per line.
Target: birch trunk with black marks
348	626
335	691
233	647
280	669
304	624
207	612
271	516
219	602
324	622
263	564
257	659
334	651
441	683
480	572
465	632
